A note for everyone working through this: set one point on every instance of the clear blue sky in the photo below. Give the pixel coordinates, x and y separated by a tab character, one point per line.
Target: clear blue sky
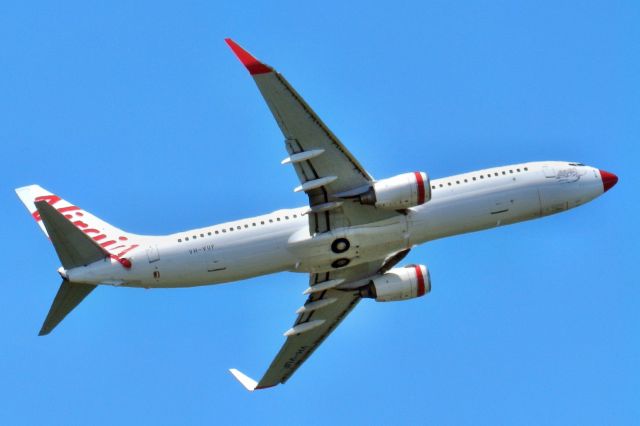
139	112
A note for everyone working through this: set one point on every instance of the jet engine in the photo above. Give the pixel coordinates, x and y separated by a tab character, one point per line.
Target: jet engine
399	192
399	284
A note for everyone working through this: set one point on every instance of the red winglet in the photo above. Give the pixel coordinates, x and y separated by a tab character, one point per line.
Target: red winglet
253	65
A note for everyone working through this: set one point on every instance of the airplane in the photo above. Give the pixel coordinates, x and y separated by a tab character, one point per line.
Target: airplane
349	239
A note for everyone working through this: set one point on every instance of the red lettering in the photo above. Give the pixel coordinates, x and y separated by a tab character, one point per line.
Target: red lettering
122	253
51	199
68	209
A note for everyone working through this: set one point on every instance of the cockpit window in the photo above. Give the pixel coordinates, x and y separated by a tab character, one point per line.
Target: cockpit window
576	164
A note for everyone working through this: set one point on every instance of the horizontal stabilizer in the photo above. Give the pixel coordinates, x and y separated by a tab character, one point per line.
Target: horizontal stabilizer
68	297
74	247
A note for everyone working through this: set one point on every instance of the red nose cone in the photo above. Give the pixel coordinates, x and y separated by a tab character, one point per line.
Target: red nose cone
608	180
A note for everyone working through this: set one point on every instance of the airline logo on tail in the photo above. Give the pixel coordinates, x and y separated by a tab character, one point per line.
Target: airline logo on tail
85	221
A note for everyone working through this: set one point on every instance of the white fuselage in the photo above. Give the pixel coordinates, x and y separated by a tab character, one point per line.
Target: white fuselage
281	241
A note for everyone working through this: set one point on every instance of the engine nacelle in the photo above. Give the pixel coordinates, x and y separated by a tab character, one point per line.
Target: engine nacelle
399	192
399	284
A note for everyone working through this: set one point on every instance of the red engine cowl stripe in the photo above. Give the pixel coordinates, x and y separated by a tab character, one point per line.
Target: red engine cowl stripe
421	192
420	276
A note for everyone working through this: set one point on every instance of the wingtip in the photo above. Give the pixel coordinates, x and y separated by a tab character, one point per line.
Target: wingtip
246	381
253	65
45	329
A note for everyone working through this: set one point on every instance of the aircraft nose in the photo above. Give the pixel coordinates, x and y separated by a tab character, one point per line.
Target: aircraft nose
608	180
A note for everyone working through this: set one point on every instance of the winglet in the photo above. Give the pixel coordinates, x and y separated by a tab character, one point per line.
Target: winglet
253	65
244	380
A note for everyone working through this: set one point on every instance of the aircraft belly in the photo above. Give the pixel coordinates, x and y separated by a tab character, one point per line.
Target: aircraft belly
359	244
473	212
218	261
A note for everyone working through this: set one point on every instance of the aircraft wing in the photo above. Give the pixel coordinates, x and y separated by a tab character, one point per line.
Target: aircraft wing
330	300
329	174
323	164
301	342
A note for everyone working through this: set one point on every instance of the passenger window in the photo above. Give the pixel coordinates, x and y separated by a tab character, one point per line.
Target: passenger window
294	216
504	173
231	229
194	237
441	185
496	173
465	181
253	224
201	235
179	240
481	176
433	187
458	182
186	238
526	169
474	178
209	233
270	220
239	227
518	170
216	232
246	226
286	217
224	231
278	219
262	222
510	171
449	183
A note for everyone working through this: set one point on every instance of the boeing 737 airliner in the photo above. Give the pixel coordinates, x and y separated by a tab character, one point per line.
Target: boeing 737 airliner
349	239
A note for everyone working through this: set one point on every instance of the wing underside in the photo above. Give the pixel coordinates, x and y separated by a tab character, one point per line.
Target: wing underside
323	165
298	347
326	171
323	311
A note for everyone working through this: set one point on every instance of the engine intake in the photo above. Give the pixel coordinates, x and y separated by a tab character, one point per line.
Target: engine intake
399	284
399	192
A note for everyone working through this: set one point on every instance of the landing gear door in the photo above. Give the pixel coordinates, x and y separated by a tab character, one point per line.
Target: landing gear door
153	254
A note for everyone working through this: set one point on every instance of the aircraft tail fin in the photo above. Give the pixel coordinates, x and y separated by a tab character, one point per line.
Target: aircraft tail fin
79	239
68	297
114	241
74	247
